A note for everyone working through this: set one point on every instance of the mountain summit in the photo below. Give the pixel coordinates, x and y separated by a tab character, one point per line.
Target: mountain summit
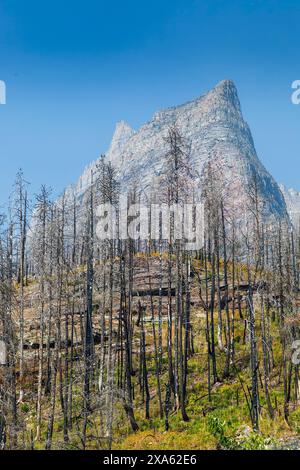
215	130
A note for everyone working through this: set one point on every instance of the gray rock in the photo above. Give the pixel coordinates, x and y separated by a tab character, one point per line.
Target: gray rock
214	127
292	200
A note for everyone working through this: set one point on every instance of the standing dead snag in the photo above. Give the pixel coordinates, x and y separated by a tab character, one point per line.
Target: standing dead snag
41	224
21	209
88	343
177	182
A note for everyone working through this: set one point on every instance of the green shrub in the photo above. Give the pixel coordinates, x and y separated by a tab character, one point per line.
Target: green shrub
25	408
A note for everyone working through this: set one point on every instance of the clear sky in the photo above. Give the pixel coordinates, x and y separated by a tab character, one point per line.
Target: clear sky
73	68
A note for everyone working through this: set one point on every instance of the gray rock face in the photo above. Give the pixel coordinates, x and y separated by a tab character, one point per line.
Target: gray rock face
292	200
214	128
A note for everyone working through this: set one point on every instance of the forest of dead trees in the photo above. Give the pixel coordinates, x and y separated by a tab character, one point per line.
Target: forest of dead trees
102	335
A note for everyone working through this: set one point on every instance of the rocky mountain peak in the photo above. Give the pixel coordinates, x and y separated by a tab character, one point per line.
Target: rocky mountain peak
227	90
214	128
122	133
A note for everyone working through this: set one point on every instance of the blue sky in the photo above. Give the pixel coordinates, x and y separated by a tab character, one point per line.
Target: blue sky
73	68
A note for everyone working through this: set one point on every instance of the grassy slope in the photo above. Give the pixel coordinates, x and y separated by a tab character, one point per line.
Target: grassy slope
222	421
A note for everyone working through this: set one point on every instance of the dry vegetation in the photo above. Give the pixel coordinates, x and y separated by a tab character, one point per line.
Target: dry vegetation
141	344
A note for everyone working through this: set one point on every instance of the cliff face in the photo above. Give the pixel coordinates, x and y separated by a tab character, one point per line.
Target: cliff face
292	200
214	128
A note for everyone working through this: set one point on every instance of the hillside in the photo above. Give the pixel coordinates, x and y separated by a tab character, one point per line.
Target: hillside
217	409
